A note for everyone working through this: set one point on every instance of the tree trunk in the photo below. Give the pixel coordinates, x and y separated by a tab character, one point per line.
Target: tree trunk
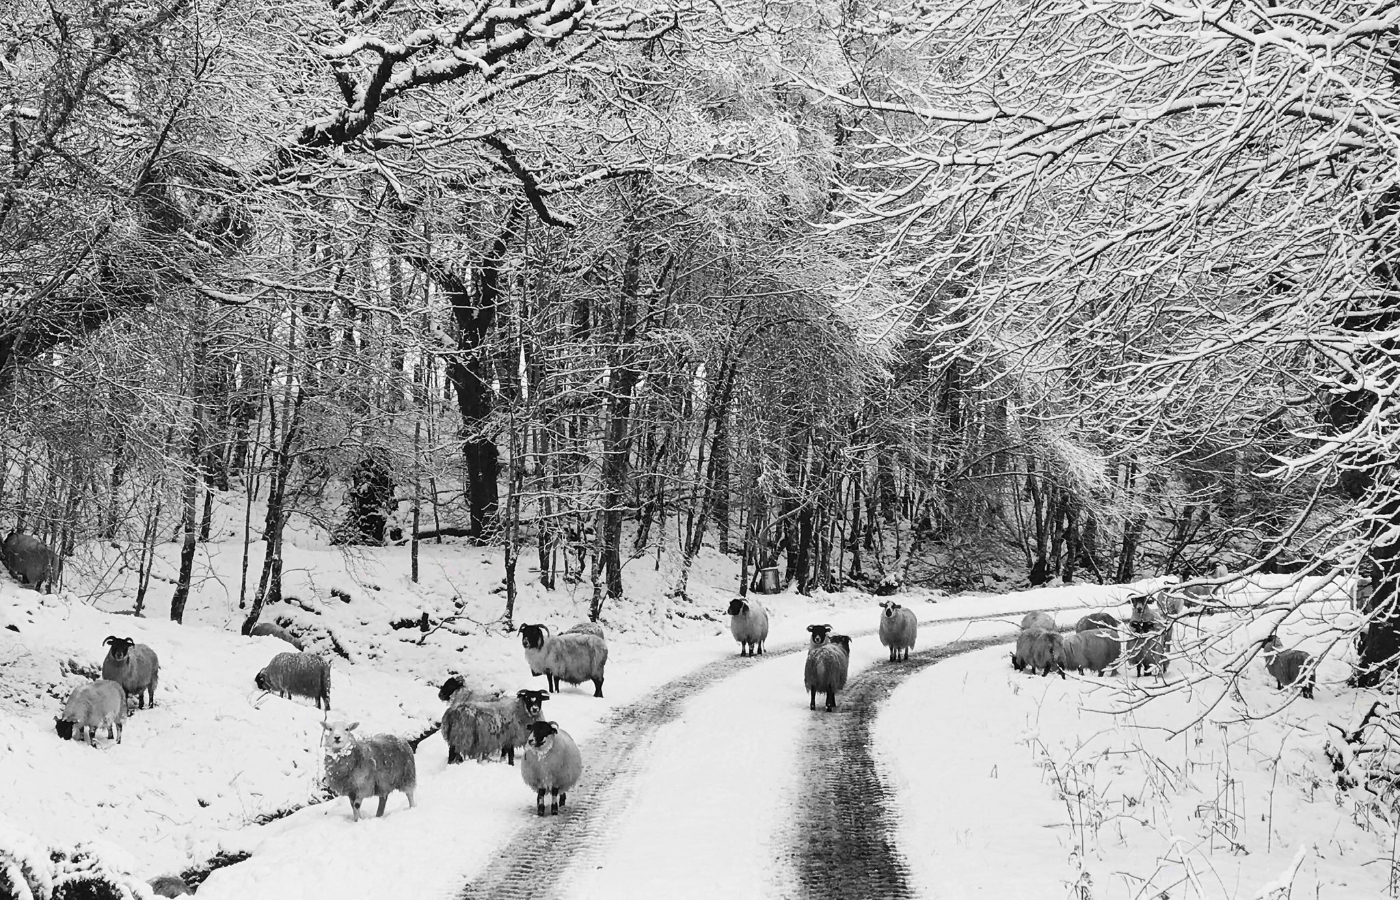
189	520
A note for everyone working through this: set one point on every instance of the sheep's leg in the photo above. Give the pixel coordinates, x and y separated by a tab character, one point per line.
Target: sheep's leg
830	701
562	797
509	754
354	808
554	801
814	700
119	730
743	648
92	735
383	802
597	687
408	792
539	801
453	756
111	731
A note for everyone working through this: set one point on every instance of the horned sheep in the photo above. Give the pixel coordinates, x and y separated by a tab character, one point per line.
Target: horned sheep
552	765
482	729
748	622
134	666
297	674
899	628
377	766
97	704
572	657
827	666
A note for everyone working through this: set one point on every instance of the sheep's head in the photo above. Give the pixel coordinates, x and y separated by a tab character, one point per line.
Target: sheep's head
890	608
1272	644
64	729
340	736
451	686
843	641
260	680
532	636
533	700
542	733
819	633
738	606
120	646
1141	602
1016	662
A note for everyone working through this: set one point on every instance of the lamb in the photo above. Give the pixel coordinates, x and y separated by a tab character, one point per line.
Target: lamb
1094	621
1096	650
1290	667
481	729
376	766
573	657
552	763
748	622
827	666
1041	621
277	631
899	628
92	706
169	886
29	560
297	674
134	666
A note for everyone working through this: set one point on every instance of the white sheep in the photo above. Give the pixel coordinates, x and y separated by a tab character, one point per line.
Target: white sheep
134	666
1289	667
552	765
91	706
482	729
748	622
371	767
827	666
572	657
300	674
268	629
899	628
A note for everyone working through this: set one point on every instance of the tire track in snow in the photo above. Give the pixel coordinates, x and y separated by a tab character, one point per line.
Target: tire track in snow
532	864
846	835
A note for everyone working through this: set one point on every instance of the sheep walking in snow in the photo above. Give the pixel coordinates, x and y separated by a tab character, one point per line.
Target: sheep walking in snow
1038	621
297	674
827	666
899	628
268	629
748	622
97	704
368	767
1290	667
552	765
572	657
29	560
1096	650
134	666
482	729
1094	621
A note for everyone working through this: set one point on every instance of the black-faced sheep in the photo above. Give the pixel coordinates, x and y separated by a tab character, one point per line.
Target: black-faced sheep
97	704
552	765
899	628
297	674
371	767
1096	650
29	560
1038	621
748	622
826	669
1097	620
134	666
572	657
1289	667
1039	651
482	729
819	633
267	628
1151	642
169	886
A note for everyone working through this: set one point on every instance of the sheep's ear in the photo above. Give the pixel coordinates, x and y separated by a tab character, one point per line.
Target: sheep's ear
352	726
326	725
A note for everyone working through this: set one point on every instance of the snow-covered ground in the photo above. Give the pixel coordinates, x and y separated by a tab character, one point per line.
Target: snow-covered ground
972	747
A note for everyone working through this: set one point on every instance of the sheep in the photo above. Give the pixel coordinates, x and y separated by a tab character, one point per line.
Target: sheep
819	633
592	628
1097	650
1151	643
134	666
1170	603
899	627
277	631
1041	650
92	706
573	657
169	886
297	674
1094	621
29	560
362	767
552	763
748	622
480	729
827	666
454	689
1290	667
1042	621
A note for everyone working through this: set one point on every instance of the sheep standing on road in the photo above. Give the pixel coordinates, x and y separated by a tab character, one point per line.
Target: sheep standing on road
748	622
899	628
134	666
552	765
573	657
370	767
97	704
482	729
827	666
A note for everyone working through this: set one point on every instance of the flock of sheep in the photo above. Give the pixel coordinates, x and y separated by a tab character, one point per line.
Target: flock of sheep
1097	644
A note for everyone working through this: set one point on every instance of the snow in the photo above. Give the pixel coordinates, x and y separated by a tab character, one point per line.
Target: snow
218	768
